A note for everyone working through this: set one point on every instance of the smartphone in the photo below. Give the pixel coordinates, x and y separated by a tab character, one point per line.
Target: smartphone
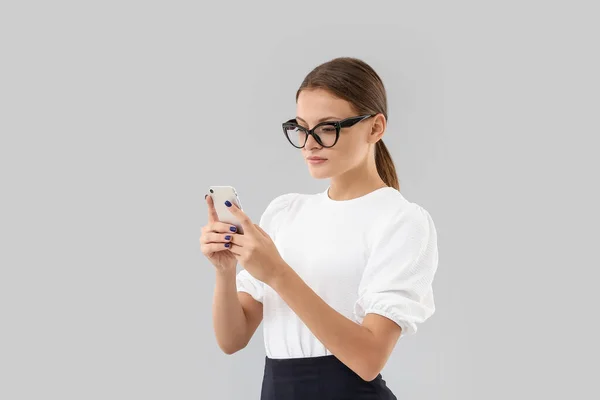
219	195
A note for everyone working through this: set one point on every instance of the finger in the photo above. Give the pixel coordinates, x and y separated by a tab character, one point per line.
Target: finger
235	249
213	248
241	216
221	227
213	237
212	213
240	240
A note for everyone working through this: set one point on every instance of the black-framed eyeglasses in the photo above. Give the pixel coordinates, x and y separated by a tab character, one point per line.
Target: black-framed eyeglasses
325	133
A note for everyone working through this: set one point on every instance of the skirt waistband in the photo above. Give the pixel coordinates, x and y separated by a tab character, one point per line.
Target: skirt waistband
285	367
316	378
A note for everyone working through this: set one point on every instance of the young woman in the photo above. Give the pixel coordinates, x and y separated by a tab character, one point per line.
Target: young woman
336	276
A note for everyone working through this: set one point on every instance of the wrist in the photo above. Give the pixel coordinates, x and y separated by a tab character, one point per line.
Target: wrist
226	273
281	274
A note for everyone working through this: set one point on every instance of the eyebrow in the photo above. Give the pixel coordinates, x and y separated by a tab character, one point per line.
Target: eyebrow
322	119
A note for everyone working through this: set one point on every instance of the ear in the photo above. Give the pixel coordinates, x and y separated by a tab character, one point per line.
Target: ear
378	128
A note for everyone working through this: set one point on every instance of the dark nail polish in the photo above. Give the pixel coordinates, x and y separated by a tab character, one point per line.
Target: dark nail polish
233	229
227	245
205	196
227	203
227	237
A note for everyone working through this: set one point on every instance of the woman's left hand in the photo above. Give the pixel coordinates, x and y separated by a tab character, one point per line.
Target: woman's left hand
255	250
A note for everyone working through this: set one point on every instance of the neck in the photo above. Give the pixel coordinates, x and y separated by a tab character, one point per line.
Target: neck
356	182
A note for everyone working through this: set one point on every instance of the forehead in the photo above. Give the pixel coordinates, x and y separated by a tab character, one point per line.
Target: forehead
316	103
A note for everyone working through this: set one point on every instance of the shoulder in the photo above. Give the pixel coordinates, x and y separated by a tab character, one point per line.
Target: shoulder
282	201
278	208
396	208
401	217
280	204
403	244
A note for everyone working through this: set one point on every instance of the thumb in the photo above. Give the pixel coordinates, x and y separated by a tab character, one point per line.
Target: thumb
212	213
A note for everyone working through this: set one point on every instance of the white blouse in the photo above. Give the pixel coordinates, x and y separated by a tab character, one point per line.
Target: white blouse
373	254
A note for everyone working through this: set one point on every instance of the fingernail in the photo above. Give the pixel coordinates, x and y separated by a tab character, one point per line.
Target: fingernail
227	203
227	237
205	196
233	229
227	245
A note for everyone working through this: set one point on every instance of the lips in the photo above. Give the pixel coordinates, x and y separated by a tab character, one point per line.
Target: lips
316	160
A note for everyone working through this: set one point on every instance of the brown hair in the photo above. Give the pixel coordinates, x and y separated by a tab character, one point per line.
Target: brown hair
355	81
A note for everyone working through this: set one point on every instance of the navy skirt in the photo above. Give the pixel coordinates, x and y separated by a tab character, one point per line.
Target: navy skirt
318	378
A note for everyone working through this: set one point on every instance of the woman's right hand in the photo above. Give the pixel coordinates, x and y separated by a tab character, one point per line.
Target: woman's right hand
213	239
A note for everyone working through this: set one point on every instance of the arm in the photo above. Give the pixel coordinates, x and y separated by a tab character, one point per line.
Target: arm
236	315
363	348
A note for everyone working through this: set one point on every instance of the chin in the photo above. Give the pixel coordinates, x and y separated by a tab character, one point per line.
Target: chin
319	173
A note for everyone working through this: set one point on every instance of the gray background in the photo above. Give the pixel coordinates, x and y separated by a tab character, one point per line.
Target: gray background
115	116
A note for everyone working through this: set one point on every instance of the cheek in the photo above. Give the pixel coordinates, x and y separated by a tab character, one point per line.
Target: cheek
351	152
346	154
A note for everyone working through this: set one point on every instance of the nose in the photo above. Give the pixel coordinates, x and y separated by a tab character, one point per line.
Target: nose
311	143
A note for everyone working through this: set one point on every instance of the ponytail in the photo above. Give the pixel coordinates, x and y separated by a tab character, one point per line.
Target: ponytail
385	165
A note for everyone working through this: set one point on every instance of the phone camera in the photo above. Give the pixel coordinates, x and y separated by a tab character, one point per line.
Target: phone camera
212	191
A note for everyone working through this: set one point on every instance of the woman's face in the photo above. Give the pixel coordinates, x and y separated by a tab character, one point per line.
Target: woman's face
352	148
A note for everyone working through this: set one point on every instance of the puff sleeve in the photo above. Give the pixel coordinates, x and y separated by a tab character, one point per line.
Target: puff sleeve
402	262
269	221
